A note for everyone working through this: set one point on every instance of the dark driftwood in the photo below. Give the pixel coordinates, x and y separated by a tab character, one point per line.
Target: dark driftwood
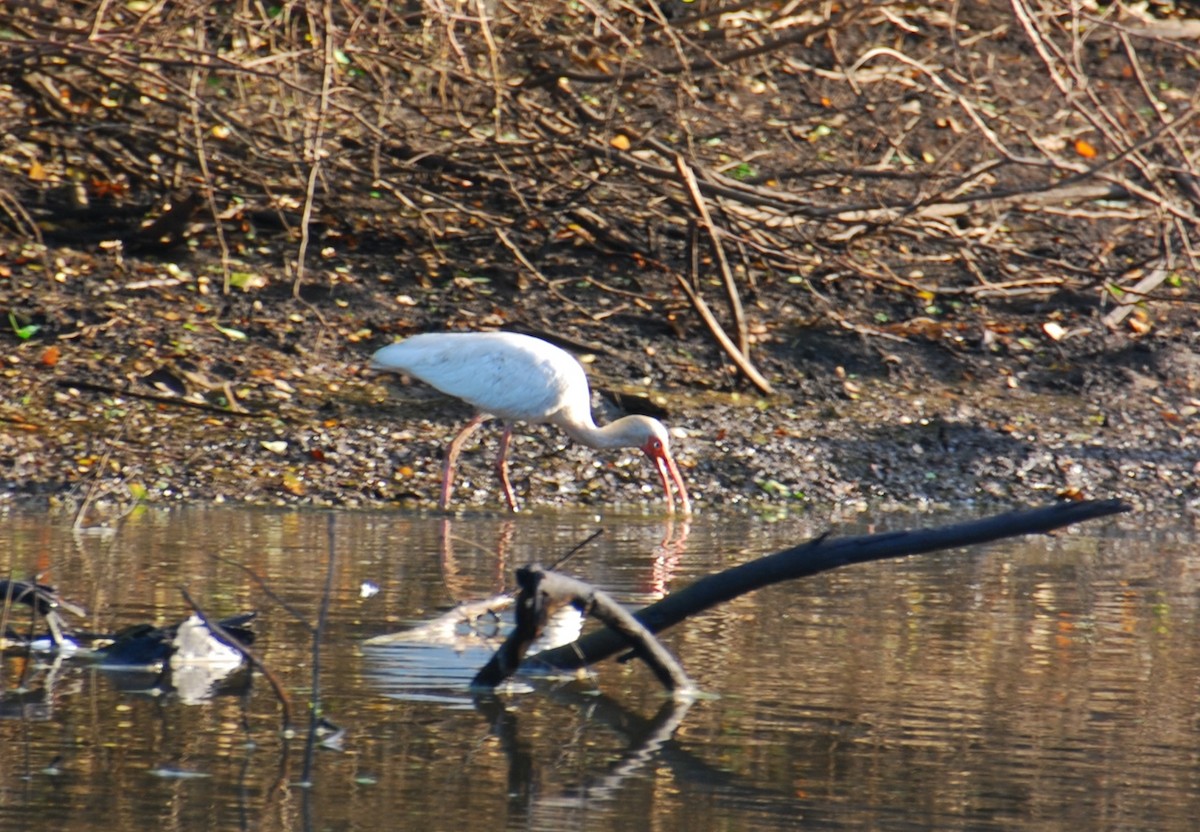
818	556
42	600
542	593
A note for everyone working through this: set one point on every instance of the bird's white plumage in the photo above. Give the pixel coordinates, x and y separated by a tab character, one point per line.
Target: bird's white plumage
504	374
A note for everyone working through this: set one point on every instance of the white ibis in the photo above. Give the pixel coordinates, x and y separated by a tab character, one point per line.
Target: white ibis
518	378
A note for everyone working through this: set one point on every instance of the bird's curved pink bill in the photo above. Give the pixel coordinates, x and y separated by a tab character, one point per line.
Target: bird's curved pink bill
666	466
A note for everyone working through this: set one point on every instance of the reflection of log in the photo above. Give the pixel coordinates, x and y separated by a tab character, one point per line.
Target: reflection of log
644	748
817	556
542	593
645	741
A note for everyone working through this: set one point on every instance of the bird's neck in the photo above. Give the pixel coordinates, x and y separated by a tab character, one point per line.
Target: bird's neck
584	430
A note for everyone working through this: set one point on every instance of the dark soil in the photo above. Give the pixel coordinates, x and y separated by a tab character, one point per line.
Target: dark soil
122	394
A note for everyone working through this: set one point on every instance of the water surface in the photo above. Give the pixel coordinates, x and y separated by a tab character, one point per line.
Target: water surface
1045	683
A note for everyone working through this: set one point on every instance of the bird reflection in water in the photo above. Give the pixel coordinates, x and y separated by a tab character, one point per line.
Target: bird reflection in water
483	598
666	558
459	585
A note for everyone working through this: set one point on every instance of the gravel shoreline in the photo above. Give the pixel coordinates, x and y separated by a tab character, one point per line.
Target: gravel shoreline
124	396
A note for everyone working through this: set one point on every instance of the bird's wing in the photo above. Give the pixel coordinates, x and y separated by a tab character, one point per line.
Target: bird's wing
512	378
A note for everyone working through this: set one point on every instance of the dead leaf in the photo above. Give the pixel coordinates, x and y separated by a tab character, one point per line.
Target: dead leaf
1056	332
230	333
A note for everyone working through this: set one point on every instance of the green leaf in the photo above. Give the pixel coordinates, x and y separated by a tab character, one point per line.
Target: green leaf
23	332
247	280
742	172
773	487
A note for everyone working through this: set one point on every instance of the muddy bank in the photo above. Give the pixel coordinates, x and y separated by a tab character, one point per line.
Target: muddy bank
146	384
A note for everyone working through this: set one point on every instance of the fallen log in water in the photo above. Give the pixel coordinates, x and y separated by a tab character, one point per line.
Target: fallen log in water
820	555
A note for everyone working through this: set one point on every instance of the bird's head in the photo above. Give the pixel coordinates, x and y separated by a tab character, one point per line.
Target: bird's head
656	442
657	445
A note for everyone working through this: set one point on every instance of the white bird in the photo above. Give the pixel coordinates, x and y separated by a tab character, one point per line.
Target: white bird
518	378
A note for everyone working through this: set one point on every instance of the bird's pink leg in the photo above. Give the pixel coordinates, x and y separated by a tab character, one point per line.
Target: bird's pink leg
502	468
452	458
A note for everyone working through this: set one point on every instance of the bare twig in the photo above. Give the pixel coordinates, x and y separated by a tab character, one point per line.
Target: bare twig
528	264
315	146
718	248
210	186
714	326
318	632
117	390
1137	294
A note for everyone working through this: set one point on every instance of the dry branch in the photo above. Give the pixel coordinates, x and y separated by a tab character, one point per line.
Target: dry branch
714	326
542	593
718	247
285	701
